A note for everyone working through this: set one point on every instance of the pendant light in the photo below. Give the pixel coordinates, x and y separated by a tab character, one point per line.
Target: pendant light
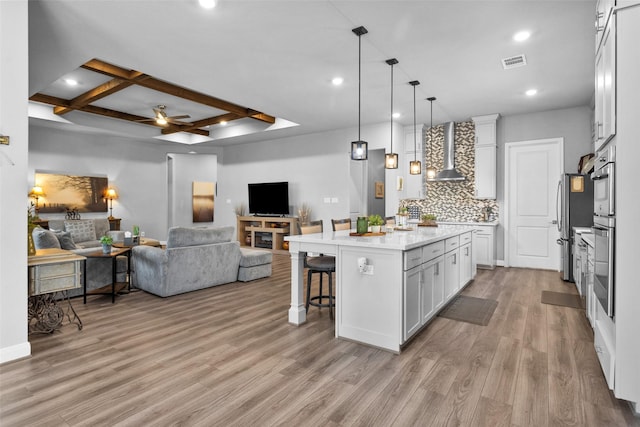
431	171
415	167
359	148
391	159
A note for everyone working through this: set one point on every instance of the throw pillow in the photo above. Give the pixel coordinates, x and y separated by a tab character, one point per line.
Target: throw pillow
66	242
81	230
45	239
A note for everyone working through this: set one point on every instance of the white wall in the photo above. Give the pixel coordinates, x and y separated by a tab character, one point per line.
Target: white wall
187	168
573	124
316	166
14	72
137	169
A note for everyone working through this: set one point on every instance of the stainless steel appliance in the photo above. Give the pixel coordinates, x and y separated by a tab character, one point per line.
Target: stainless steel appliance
604	221
574	203
603	283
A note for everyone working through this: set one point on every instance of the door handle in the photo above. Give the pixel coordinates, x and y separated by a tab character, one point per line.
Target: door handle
555	221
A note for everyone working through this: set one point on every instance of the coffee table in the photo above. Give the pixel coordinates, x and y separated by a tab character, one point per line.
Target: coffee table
115	285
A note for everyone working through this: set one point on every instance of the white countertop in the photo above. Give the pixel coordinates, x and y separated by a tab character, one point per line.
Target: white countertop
481	223
397	240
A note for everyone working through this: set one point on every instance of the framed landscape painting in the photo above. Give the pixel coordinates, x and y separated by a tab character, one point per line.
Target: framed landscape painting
71	192
203	201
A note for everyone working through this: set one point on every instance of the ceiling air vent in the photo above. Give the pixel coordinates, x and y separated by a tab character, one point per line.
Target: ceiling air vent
514	62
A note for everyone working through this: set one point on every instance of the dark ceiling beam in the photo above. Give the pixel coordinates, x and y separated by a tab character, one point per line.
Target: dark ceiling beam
48	99
206	122
93	95
149	82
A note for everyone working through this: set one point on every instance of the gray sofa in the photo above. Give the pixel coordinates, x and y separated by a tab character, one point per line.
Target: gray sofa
194	258
82	236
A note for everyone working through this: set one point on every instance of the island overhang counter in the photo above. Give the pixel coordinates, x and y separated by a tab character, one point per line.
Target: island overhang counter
409	277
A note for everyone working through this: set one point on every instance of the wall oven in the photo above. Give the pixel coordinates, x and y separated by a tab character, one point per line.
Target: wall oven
604	183
603	280
604	221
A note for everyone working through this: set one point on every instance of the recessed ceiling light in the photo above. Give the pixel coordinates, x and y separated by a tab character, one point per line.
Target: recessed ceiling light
521	36
71	82
395	115
223	123
531	92
337	81
207	4
192	152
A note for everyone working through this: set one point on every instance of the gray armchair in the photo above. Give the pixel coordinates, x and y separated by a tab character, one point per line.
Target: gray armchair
195	258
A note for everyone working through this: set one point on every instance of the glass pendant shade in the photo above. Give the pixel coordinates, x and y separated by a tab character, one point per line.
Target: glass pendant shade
359	150
431	172
415	167
391	161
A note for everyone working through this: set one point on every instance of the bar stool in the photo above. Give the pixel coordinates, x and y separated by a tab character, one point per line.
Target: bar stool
341	224
320	264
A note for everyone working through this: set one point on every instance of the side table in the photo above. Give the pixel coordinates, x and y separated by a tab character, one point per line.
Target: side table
52	271
115	285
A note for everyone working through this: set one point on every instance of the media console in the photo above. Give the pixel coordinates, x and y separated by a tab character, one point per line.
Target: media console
265	232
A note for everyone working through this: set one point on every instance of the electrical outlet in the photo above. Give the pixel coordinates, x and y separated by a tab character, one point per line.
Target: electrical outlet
334	200
368	270
327	199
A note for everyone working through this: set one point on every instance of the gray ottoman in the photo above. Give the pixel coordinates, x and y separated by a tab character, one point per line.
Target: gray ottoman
254	264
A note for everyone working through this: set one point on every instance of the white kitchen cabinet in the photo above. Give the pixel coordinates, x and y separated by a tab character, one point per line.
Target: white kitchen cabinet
603	13
451	273
432	297
485	156
605	86
412	304
466	264
484	246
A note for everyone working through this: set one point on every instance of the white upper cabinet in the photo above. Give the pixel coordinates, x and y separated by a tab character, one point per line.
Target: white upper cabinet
605	85
603	13
485	156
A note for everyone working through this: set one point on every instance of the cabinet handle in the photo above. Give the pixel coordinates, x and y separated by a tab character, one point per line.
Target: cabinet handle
437	269
455	258
598	128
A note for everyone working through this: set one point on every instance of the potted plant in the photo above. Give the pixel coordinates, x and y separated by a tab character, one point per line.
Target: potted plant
106	241
429	219
402	217
375	221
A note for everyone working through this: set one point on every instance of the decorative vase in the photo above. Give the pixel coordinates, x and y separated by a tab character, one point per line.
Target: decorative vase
30	245
106	249
247	240
362	225
285	245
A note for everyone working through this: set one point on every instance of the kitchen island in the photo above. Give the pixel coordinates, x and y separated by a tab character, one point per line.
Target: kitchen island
406	279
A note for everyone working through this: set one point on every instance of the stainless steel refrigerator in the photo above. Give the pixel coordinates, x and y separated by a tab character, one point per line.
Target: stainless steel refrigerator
574	208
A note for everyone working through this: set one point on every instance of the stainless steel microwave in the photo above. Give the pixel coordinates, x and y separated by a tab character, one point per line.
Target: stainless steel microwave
604	183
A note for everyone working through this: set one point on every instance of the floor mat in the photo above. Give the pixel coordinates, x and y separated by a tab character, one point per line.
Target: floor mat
562	299
470	309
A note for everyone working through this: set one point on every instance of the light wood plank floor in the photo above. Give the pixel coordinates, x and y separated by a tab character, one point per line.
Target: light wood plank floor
227	356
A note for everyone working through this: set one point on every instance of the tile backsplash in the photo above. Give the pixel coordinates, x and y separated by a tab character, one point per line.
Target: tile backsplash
453	200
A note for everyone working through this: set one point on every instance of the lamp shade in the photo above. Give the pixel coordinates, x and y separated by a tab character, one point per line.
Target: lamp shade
36	192
431	172
359	150
111	194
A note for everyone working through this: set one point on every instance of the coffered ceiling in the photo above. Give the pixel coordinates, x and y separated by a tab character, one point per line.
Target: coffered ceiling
275	61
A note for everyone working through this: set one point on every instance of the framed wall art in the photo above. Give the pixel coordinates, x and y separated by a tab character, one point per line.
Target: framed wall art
203	202
65	193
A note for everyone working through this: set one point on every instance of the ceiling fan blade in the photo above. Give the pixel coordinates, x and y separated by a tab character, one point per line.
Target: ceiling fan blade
184	116
178	122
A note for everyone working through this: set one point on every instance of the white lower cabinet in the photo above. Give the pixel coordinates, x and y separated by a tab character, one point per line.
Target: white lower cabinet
412	318
451	273
484	246
432	288
466	264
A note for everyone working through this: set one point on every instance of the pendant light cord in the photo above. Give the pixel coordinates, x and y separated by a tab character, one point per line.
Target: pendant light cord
359	78
415	144
391	116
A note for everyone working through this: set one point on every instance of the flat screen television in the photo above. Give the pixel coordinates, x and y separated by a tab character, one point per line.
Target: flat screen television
269	198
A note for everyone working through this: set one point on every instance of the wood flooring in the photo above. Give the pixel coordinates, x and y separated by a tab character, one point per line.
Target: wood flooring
226	356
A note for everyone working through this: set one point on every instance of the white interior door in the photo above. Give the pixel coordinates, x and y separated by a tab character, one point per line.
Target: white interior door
532	171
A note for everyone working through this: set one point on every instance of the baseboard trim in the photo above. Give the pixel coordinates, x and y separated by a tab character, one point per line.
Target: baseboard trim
15	352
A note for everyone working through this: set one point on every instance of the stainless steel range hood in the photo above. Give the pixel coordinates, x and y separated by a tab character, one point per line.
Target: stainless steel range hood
449	173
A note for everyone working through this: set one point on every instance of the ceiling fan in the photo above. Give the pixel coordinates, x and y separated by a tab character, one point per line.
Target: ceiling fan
161	118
